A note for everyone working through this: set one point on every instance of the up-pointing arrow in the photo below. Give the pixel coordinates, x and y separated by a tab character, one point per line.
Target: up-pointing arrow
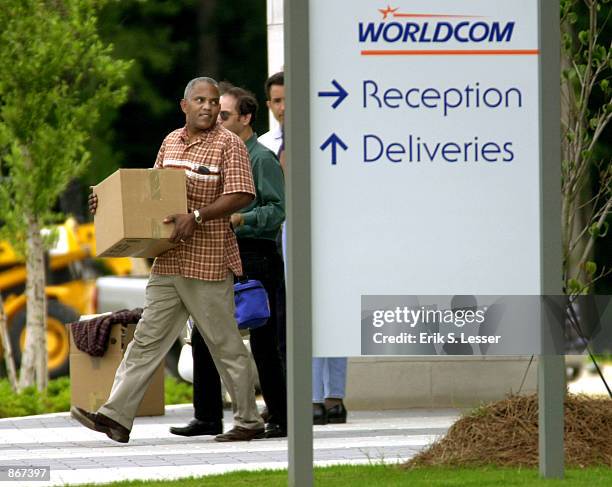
340	94
334	141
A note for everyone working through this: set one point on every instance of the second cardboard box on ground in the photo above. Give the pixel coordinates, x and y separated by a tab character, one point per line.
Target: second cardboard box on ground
91	378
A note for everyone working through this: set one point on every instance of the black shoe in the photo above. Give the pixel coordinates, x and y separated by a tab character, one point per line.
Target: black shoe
273	430
197	428
238	433
319	414
103	424
336	414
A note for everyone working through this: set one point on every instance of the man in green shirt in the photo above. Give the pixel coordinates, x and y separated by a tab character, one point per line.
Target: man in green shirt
256	227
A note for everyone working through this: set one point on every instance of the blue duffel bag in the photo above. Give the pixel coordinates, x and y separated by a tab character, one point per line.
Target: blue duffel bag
252	305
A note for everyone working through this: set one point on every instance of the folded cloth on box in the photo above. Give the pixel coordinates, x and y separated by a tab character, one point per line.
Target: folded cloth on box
91	336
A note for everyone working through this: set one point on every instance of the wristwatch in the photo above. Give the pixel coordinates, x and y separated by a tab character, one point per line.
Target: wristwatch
198	217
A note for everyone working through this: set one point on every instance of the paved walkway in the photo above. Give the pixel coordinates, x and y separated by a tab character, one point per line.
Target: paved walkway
77	455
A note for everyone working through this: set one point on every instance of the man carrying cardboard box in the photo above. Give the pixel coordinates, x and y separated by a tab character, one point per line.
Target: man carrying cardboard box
196	277
256	228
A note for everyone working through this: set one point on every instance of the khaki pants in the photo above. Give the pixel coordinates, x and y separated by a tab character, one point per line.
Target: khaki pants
169	300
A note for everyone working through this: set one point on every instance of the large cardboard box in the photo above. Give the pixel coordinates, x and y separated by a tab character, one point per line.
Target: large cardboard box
91	378
132	204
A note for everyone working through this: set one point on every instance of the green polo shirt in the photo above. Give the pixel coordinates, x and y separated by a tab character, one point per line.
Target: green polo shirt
264	216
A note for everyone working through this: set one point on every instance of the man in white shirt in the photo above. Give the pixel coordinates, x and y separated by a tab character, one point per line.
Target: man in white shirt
275	91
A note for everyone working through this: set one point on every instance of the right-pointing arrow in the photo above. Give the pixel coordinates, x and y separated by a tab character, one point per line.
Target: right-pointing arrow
340	94
334	141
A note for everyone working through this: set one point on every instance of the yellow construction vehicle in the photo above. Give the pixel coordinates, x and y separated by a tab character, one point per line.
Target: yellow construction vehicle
71	273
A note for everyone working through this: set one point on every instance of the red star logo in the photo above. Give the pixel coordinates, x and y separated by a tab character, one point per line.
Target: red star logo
387	11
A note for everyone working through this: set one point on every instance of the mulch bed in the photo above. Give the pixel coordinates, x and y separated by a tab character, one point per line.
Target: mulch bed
505	433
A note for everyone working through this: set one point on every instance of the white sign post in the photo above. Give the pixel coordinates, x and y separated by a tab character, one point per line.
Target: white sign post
424	159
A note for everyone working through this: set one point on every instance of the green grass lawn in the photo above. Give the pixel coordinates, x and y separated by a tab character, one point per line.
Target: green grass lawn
391	476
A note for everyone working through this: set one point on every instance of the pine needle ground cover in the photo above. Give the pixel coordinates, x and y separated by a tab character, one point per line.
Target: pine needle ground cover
505	433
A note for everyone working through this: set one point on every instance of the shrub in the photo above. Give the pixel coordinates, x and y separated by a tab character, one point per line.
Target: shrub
56	398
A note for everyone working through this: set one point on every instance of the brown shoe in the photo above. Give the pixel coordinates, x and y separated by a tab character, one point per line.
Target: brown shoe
103	424
238	433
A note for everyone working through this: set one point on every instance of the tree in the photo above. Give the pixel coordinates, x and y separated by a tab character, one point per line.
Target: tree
157	36
587	112
172	42
58	79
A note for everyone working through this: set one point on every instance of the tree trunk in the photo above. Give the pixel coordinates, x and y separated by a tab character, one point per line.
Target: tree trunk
208	62
34	358
6	348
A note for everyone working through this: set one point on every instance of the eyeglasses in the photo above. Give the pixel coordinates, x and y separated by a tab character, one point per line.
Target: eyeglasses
225	115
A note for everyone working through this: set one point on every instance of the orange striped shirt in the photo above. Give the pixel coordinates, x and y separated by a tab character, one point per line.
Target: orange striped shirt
213	248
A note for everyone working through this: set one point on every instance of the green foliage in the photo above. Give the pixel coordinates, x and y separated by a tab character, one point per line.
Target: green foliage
575	287
178	392
604	359
60	79
166	39
30	402
146	33
590	268
25	403
587	153
241	33
158	37
56	398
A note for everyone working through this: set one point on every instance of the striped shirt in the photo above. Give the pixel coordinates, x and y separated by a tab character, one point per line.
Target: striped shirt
213	248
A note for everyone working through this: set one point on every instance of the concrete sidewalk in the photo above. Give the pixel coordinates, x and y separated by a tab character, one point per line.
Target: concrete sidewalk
77	455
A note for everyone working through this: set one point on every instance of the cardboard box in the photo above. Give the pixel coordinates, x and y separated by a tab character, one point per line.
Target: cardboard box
132	204
91	378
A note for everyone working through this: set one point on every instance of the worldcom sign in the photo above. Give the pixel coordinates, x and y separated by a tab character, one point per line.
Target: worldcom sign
425	155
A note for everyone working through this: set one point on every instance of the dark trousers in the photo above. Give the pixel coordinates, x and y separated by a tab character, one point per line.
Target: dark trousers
281	322
260	260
